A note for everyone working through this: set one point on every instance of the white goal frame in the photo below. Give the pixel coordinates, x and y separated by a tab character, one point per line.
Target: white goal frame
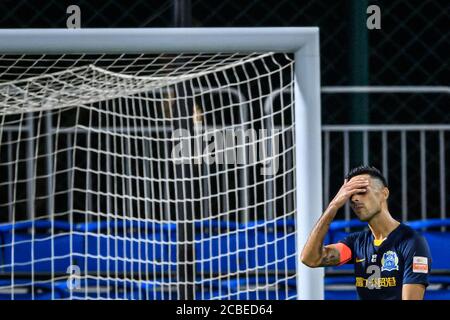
302	41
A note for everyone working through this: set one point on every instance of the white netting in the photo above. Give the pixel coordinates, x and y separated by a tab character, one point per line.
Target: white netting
147	177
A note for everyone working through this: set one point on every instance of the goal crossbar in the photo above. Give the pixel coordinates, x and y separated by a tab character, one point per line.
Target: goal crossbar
156	40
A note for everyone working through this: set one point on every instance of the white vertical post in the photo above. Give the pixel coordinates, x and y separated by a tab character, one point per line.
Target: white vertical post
308	160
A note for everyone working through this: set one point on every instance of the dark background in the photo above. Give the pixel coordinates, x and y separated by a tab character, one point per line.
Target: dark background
410	49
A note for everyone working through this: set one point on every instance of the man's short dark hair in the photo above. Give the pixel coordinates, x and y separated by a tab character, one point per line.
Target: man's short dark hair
371	171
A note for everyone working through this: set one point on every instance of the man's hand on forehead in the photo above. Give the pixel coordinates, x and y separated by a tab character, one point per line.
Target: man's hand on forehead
372	181
358	179
357	184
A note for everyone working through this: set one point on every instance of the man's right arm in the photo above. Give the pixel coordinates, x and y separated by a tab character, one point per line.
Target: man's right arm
315	254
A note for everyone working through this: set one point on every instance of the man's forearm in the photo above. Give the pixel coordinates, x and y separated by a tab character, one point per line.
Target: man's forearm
413	292
312	252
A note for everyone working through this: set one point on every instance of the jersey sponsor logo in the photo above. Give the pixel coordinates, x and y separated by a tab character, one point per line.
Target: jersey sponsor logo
420	264
385	282
360	260
374	258
389	262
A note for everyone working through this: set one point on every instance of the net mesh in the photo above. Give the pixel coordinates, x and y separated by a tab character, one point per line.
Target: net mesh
147	176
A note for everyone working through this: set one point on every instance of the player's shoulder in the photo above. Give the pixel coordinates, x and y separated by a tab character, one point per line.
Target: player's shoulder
360	236
409	233
411	237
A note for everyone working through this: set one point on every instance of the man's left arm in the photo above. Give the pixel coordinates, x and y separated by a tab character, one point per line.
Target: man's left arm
413	291
417	259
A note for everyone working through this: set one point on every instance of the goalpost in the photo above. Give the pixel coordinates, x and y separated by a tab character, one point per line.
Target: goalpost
159	163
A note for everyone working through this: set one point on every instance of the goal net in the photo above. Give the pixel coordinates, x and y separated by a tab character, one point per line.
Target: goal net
148	176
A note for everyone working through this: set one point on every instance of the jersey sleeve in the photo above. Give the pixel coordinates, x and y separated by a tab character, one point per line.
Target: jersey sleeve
417	263
349	243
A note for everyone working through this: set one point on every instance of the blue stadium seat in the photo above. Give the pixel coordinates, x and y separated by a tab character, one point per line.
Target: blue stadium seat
137	246
115	289
244	247
129	253
238	289
440	253
29	296
39	252
90	249
443	294
276	251
218	253
341	295
42	291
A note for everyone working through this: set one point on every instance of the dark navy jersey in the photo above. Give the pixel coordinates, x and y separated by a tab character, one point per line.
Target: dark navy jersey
381	271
